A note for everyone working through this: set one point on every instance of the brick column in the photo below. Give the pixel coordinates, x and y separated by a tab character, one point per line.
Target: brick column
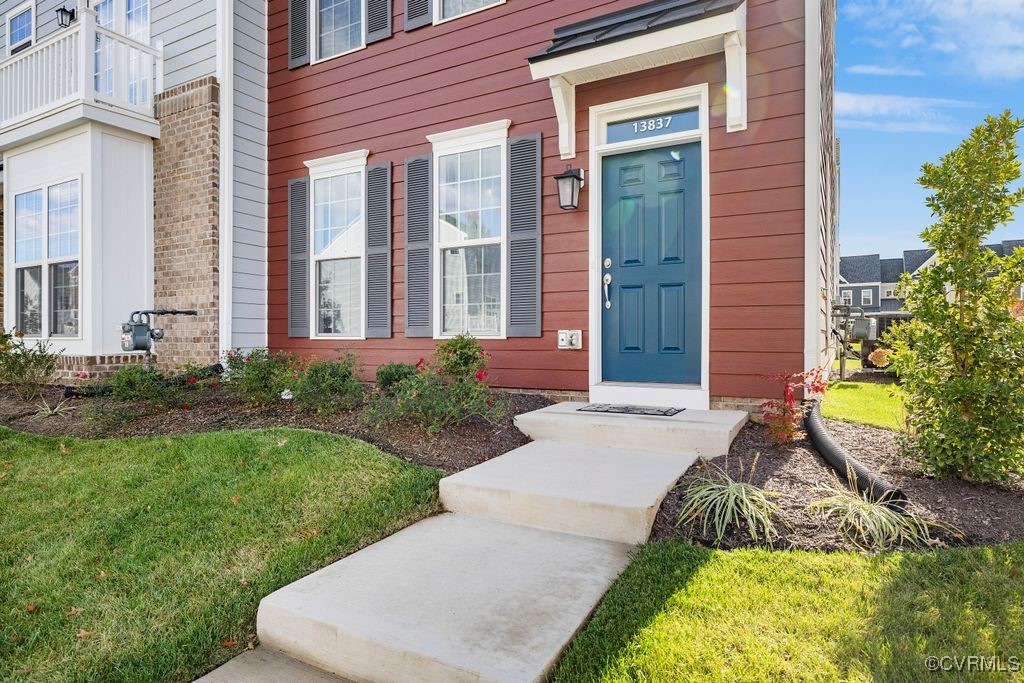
186	168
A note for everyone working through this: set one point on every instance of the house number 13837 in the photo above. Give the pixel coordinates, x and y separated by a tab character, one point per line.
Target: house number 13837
647	125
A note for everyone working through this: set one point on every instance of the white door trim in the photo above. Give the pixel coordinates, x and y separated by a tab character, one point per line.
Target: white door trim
645	393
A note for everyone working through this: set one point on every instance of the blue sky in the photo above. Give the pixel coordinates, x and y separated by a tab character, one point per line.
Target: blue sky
912	78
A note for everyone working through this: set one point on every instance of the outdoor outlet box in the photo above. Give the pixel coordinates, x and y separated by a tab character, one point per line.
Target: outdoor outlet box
570	339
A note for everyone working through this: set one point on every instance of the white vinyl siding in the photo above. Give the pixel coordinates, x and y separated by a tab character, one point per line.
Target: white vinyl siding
188	29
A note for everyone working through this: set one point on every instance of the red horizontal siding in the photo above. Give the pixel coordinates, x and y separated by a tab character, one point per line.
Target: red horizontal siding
388	97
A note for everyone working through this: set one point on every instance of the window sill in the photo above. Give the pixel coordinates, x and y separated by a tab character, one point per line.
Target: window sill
331	337
313	61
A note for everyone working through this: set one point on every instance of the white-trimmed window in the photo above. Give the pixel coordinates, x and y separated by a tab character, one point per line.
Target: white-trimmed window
866	297
337	27
130	18
47	230
846	296
890	293
21	28
470	218
338	245
452	9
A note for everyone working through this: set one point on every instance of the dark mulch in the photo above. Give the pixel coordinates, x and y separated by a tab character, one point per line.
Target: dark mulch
870	377
985	514
451	450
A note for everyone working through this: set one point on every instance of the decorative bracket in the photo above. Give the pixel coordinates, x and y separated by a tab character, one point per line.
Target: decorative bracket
564	95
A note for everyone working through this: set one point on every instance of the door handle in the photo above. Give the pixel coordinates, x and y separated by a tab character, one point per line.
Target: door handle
607	280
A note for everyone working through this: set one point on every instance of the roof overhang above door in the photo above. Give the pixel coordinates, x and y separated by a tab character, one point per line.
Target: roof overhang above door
652	35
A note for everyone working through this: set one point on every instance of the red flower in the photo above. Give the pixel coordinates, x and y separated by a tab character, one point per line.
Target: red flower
481	375
193	380
291	406
214	384
420	362
83	375
186	406
490	403
248	359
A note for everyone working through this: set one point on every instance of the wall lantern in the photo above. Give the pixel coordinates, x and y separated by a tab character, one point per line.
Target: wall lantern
65	16
569	182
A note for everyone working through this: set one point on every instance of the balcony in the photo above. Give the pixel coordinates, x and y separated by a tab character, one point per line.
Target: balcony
79	74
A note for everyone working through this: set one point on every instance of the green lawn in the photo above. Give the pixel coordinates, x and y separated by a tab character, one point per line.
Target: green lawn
851	363
864	403
145	559
681	613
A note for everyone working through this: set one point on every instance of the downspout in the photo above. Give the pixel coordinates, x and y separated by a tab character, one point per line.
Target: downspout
226	219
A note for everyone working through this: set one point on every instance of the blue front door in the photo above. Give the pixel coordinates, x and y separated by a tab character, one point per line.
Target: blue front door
650	266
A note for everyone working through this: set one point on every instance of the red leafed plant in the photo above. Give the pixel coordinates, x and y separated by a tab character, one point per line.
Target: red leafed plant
783	417
1018	310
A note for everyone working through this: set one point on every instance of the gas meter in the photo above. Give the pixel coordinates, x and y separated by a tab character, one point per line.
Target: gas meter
138	334
865	329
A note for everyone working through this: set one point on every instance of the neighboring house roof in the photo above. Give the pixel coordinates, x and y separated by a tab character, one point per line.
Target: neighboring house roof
866	268
631	22
915	258
1010	245
892	269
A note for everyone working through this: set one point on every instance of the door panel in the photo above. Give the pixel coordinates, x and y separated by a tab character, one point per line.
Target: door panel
651	236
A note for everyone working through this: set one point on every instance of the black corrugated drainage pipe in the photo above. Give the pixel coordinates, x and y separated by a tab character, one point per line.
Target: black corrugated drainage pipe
867	482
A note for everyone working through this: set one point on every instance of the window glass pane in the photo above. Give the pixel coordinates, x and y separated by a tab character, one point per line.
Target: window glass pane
453	8
339	297
471	290
28	300
28	226
338	216
21	28
470	189
64	299
340	25
63	227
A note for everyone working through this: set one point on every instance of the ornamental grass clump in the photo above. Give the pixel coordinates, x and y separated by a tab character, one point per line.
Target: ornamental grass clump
961	356
714	499
873	524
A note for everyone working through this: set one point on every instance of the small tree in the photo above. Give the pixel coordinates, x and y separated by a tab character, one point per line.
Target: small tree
961	357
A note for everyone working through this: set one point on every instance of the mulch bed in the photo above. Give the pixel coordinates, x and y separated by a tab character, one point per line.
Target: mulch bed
451	450
985	514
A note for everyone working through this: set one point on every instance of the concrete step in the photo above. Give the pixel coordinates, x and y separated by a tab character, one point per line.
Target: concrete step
452	598
267	666
707	433
606	493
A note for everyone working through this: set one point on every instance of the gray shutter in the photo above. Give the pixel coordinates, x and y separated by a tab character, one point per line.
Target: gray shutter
378	20
298	33
418	246
378	251
524	236
298	257
418	13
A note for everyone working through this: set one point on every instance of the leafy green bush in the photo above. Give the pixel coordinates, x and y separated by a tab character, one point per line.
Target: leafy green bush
26	367
390	374
260	376
448	394
715	499
328	386
461	357
142	384
961	356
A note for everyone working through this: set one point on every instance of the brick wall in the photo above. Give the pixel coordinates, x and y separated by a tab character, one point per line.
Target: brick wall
186	162
75	369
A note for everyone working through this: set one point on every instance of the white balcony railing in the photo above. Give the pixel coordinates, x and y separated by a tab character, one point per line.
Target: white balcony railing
85	63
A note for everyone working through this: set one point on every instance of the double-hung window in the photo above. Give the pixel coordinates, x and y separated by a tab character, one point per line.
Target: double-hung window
470	230
21	30
450	9
338	239
46	259
846	296
866	297
338	27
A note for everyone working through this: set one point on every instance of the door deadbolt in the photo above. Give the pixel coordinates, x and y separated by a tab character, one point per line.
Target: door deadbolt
607	263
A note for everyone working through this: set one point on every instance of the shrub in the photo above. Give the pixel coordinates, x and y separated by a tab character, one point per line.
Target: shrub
328	386
715	499
880	357
872	524
461	357
784	417
142	384
961	356
26	367
260	376
390	374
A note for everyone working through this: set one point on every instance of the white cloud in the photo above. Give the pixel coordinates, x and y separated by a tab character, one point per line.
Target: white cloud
897	113
986	36
876	70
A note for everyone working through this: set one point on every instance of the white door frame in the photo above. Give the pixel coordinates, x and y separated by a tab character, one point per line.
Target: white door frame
648	393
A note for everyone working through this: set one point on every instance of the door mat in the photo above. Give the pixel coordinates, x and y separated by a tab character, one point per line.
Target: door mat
629	410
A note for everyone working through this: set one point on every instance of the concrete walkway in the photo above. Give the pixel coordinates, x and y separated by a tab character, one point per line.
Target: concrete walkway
495	589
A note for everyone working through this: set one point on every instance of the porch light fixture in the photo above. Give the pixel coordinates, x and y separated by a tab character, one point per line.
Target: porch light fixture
569	182
65	16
